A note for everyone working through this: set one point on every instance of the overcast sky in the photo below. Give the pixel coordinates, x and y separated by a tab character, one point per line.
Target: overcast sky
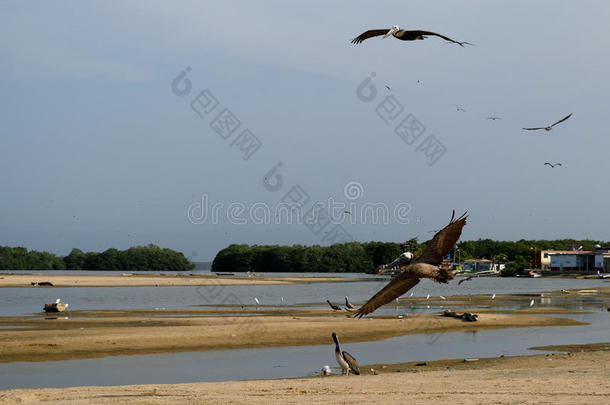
101	145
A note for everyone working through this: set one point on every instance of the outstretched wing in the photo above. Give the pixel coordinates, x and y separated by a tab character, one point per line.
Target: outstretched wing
557	164
444	240
351	362
562	120
533	129
418	33
394	289
548	164
369	34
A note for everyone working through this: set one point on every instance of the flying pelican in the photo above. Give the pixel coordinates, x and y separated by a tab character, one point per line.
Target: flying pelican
552	165
346	361
333	306
404	35
348	305
428	265
466	279
550	126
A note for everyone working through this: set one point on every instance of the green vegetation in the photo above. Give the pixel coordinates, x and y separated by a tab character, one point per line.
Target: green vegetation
350	257
151	258
359	257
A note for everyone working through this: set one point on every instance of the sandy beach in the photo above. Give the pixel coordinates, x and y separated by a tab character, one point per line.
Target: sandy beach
88	334
151	280
579	377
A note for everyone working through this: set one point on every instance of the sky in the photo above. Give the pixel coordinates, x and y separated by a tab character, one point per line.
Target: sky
194	125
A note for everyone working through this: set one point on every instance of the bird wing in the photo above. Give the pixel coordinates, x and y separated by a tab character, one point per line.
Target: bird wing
462	280
351	362
369	34
443	241
557	164
394	289
533	129
547	163
417	33
562	120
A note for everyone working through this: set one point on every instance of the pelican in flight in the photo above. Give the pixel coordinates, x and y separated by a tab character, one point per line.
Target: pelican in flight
552	165
428	265
404	35
550	126
346	361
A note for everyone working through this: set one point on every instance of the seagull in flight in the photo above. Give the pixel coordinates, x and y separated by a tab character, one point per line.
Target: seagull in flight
550	126
552	165
494	118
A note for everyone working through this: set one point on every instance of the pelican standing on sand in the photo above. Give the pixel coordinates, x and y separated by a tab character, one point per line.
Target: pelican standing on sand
348	305
346	361
428	265
404	35
333	306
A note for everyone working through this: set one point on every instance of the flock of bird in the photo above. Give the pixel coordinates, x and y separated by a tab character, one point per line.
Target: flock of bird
412	35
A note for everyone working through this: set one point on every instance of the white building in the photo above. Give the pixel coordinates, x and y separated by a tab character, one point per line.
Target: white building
579	261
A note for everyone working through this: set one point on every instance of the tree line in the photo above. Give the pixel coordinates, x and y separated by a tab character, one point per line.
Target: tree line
150	258
366	257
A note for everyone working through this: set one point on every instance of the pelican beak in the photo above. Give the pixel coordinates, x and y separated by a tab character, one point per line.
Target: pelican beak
390	32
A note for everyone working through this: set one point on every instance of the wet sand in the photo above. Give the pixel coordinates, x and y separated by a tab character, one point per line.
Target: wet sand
89	334
576	378
152	280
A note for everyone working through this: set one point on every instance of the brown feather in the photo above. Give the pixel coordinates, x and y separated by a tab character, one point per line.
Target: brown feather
426	266
369	34
351	362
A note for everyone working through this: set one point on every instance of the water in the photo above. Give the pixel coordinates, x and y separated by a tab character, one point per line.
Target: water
286	362
22	301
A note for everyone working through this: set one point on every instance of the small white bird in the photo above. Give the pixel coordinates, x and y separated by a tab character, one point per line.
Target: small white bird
493	296
531	303
411	294
428	297
57	301
443	298
282	299
256	300
326	370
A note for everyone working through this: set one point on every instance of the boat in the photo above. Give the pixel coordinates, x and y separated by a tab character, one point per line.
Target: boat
603	275
534	274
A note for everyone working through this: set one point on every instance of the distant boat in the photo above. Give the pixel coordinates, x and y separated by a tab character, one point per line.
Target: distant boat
603	275
534	274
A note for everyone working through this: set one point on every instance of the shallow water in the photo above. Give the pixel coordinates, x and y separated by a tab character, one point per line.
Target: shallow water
285	362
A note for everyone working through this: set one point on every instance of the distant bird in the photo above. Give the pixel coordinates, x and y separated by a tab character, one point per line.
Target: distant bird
348	304
493	296
458	108
550	126
441	297
257	301
387	87
282	300
326	370
403	35
346	361
411	294
428	265
466	279
333	306
552	165
494	118
531	303
428	296
57	301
